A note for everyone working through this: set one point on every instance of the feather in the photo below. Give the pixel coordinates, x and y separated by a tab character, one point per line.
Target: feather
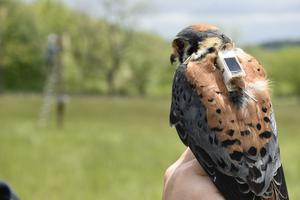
233	135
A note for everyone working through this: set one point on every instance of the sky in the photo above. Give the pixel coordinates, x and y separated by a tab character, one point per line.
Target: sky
247	21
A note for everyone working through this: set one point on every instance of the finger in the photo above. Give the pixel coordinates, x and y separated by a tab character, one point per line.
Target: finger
187	156
196	168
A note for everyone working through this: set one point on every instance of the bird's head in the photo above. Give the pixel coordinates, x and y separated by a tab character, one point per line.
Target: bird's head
198	50
202	38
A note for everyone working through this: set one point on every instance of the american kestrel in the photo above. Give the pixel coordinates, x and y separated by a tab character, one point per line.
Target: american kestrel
228	124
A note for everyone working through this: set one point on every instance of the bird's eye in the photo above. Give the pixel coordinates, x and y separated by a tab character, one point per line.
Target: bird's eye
179	43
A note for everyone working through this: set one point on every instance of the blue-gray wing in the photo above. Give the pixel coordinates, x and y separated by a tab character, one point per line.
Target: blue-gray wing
189	116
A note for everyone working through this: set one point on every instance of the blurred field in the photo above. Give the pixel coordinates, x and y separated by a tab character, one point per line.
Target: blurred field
110	148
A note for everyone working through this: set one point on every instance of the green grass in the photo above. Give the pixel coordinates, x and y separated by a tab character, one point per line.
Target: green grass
110	148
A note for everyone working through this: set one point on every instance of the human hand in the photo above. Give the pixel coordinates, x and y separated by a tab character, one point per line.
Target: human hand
186	180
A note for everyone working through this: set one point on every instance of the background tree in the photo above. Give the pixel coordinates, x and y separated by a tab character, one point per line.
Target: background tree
148	63
20	49
122	17
107	53
3	15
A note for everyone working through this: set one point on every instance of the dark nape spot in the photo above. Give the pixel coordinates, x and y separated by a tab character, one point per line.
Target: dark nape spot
210	139
210	99
227	143
221	163
245	132
237	98
252	151
266	119
258	126
218	111
264	109
266	134
236	155
233	168
263	152
230	132
217	129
